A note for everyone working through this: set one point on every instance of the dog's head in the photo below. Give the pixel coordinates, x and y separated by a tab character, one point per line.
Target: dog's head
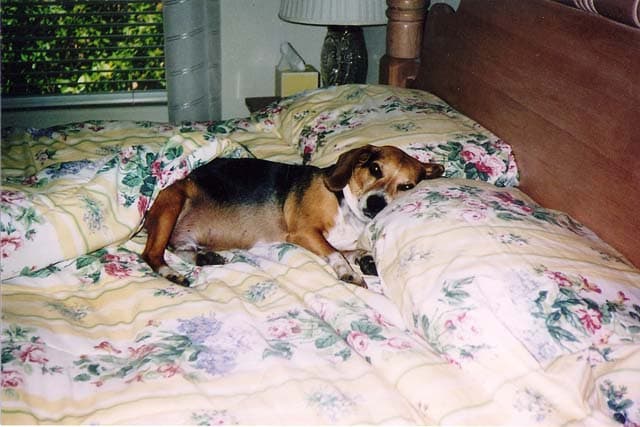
371	177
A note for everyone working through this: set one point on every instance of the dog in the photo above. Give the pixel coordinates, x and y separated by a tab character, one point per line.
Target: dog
236	203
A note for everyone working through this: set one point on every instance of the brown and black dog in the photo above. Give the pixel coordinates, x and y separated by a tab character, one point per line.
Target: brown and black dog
236	203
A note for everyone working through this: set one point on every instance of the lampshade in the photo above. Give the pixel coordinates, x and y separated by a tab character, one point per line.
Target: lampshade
344	55
334	12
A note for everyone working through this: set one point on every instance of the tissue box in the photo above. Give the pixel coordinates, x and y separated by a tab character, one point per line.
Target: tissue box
289	82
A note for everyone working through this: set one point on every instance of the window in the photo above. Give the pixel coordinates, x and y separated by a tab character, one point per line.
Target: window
55	47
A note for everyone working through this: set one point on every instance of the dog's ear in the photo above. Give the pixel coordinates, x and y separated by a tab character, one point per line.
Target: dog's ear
432	170
339	174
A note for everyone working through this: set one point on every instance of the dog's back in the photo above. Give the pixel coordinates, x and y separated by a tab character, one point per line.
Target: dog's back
235	203
252	181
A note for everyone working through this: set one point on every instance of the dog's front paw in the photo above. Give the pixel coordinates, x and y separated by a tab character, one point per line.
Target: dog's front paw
344	271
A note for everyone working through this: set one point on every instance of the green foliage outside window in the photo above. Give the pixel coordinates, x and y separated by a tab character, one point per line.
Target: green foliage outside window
81	46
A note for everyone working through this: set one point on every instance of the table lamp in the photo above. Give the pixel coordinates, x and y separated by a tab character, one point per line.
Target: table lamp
344	54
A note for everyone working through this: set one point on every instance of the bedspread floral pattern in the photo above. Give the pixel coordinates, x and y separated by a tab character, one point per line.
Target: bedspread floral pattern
496	283
199	348
477	316
92	201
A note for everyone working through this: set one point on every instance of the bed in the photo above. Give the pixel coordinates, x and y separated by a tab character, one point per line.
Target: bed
508	291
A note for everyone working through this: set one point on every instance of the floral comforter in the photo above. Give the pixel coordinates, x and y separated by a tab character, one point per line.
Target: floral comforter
489	309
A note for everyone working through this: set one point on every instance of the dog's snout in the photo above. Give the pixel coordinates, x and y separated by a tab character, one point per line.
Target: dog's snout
375	203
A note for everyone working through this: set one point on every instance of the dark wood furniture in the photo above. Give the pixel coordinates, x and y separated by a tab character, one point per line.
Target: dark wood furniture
559	84
256	103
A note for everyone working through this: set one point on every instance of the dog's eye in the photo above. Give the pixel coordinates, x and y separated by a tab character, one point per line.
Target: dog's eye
405	187
375	170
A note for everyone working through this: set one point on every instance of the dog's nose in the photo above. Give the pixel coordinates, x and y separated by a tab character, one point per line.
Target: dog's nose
375	203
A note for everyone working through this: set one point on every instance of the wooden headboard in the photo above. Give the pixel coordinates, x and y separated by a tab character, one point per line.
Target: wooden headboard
561	85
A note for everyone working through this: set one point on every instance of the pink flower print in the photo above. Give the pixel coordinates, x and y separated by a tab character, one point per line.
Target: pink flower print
283	328
34	354
126	154
120	258
591	319
423	156
472	153
560	278
474	204
523	209
513	167
31	180
159	172
169	369
473	216
320	307
453	193
501	145
491	165
398	344
602	337
505	198
106	346
11	378
143	205
268	124
451	360
622	298
380	320
359	341
588	286
142	351
9	243
42	156
117	269
11	197
319	128
412	207
449	325
136	378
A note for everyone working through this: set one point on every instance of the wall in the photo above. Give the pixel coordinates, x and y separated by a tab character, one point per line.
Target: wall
251	38
251	34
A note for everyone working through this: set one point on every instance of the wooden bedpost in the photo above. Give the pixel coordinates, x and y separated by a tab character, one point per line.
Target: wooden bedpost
404	40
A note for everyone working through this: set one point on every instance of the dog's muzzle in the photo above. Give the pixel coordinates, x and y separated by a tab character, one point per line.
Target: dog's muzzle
375	203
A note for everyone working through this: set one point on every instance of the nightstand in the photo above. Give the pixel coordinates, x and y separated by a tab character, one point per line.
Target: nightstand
256	103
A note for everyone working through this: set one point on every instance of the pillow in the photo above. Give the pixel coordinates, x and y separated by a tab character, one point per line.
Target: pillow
485	275
322	124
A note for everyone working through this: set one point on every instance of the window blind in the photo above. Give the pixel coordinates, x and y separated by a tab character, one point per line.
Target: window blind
54	47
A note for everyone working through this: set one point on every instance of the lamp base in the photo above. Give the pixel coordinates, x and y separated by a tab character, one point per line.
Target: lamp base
344	56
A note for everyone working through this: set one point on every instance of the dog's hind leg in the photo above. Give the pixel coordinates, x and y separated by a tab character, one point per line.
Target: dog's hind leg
160	221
